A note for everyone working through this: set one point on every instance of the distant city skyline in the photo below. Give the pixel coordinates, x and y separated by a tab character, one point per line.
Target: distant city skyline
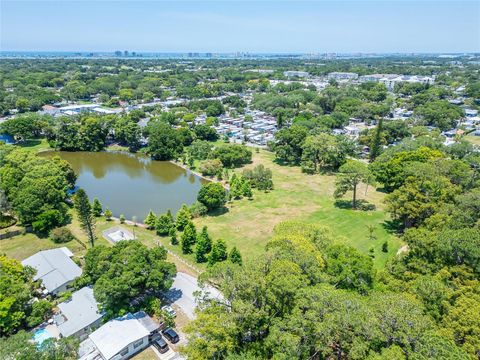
225	26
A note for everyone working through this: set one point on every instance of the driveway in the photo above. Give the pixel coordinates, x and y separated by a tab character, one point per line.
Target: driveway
182	290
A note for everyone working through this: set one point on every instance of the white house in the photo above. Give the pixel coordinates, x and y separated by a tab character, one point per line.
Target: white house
55	269
79	314
119	338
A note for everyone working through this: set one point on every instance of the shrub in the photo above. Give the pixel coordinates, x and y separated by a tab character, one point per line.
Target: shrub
211	167
198	209
61	235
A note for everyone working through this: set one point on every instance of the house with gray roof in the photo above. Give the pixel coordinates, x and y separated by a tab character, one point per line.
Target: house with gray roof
119	338
79	314
55	269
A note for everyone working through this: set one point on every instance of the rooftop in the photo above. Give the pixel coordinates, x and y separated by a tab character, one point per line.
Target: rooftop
54	267
118	333
80	311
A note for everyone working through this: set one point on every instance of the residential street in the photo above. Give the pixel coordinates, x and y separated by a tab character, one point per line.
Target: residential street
182	293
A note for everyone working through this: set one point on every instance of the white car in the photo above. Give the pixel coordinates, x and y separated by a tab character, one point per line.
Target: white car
169	310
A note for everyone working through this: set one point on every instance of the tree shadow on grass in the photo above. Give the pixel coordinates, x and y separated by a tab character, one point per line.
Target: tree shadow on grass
393	227
29	143
362	205
284	163
218	212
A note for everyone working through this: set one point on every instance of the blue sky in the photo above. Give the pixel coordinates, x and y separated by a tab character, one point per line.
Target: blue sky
242	25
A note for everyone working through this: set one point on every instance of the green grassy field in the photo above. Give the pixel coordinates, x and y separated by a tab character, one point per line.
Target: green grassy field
249	224
475	140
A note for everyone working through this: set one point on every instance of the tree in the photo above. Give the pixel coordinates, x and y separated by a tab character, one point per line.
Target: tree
322	152
376	141
125	271
351	174
97	208
246	189
128	133
259	177
122	218
22	127
234	256
205	132
21	347
218	253
232	155
164	142
46	221
212	195
173	236
389	168
108	214
164	223
349	269
439	113
85	215
188	238
150	220
183	217
236	190
210	167
200	149
203	246
41	311
289	142
16	286
420	198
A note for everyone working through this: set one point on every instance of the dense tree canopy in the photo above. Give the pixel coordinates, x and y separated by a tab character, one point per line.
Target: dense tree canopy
121	273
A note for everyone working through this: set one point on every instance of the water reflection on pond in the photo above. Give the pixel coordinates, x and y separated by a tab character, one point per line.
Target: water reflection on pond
132	184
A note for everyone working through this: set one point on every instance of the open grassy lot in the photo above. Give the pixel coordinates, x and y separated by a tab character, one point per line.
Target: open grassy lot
249	224
23	246
475	140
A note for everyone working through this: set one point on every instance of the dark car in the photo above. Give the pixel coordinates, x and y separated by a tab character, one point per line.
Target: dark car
160	344
171	335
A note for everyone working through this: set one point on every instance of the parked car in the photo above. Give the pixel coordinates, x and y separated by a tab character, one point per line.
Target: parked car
171	335
160	344
169	310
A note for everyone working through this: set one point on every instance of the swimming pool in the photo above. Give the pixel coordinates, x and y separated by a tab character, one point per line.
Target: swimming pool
41	335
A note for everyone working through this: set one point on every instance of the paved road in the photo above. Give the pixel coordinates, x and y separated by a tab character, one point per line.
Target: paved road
181	293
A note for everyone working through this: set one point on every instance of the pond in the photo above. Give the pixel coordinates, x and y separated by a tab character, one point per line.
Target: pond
132	184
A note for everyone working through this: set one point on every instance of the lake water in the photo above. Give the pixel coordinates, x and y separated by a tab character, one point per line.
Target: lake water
132	184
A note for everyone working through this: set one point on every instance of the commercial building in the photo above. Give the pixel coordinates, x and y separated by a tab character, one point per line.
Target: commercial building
342	76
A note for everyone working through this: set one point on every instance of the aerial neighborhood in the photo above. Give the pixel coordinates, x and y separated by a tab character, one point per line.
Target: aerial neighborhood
239	206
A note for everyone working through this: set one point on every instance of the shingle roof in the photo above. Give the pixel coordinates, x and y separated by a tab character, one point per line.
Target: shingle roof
54	267
80	311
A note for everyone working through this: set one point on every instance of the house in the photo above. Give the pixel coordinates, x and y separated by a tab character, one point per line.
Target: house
79	314
55	269
119	338
471	112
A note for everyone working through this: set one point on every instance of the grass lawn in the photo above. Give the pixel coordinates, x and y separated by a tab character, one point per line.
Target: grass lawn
249	224
23	246
35	144
475	140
